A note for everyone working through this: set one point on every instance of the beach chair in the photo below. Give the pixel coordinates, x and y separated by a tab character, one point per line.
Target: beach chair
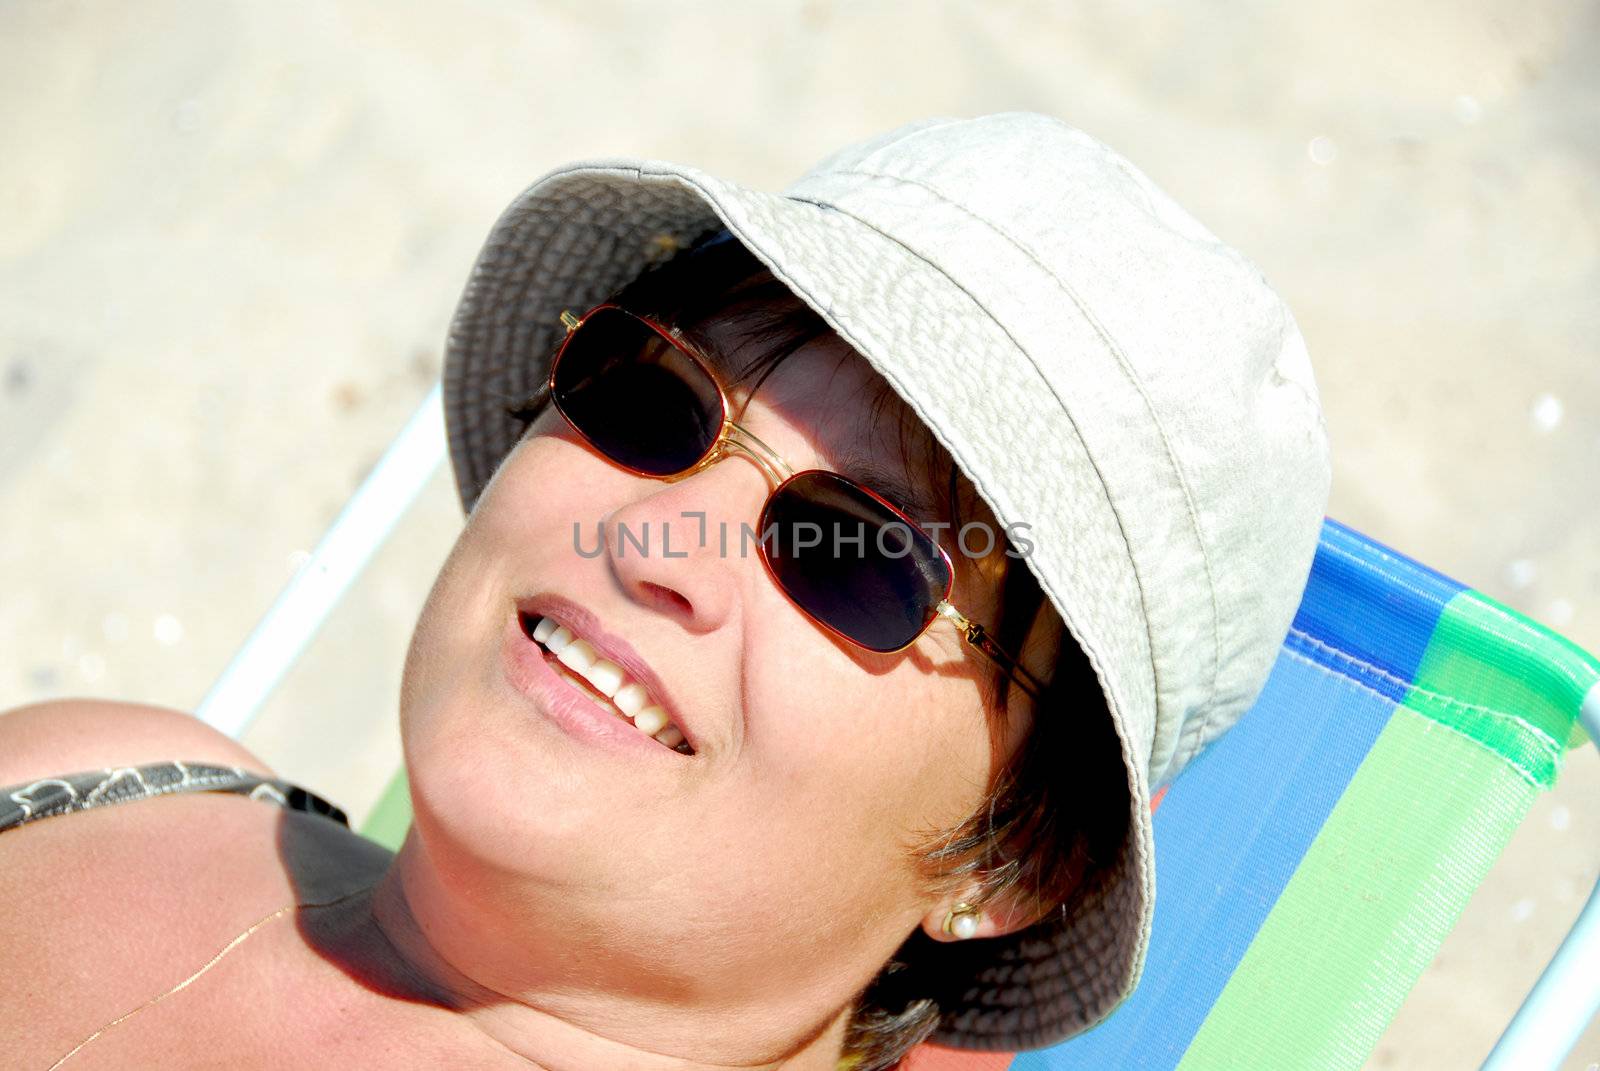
1309	863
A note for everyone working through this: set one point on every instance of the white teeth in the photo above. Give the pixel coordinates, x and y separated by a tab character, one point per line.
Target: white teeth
578	655
606	676
651	720
631	698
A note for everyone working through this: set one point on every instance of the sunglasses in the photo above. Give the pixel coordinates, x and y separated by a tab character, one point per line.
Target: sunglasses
640	396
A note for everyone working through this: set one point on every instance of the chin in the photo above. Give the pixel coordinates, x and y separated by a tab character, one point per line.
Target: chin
480	791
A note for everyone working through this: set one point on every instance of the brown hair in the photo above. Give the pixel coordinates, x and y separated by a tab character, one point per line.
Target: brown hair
1059	809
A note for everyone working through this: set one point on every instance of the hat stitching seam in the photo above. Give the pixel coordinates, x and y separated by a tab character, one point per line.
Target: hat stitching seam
1134	381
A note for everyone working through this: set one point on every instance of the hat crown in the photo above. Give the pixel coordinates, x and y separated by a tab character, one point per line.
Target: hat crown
1180	367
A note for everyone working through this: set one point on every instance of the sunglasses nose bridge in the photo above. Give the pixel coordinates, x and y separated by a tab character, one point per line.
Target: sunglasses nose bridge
768	460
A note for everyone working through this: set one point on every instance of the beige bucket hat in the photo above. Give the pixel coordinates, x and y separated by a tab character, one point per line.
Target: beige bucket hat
1103	369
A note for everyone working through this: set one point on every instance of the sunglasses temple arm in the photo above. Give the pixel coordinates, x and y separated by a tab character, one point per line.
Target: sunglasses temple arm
976	635
769	459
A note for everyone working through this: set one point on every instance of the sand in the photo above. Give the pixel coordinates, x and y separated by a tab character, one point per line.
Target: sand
231	235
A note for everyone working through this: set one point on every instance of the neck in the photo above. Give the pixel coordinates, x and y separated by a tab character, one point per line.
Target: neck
383	945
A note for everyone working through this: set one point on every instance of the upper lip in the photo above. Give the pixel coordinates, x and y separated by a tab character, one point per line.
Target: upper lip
585	625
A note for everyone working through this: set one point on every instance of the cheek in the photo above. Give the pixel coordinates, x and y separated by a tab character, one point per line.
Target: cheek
428	657
853	767
510	540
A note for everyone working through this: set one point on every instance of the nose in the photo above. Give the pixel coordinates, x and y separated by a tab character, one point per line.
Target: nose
678	546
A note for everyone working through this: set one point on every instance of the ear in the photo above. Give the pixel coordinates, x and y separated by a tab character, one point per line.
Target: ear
996	918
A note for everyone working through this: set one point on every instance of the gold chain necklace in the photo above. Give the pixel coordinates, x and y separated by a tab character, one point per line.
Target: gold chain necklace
245	935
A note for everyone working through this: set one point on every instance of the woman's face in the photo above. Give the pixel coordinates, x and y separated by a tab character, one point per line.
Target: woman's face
768	872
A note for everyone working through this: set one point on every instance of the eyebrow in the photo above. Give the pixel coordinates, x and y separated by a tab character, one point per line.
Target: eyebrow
891	484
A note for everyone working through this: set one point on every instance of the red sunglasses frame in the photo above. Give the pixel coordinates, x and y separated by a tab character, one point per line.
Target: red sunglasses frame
731	435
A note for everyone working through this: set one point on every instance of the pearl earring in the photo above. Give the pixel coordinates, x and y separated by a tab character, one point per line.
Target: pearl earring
962	921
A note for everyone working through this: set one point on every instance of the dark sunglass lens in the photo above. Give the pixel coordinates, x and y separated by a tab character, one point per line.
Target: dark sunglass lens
880	589
639	399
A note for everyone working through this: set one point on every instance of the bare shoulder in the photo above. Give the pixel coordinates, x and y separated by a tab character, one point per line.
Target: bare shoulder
68	735
109	906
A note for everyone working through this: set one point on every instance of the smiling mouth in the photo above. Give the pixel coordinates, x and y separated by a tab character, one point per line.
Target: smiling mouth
626	700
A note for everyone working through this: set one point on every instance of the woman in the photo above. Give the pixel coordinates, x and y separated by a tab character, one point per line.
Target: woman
720	758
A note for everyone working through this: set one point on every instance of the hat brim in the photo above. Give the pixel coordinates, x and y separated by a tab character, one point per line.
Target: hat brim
583	231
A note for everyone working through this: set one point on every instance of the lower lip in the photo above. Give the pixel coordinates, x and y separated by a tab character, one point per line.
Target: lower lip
528	670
